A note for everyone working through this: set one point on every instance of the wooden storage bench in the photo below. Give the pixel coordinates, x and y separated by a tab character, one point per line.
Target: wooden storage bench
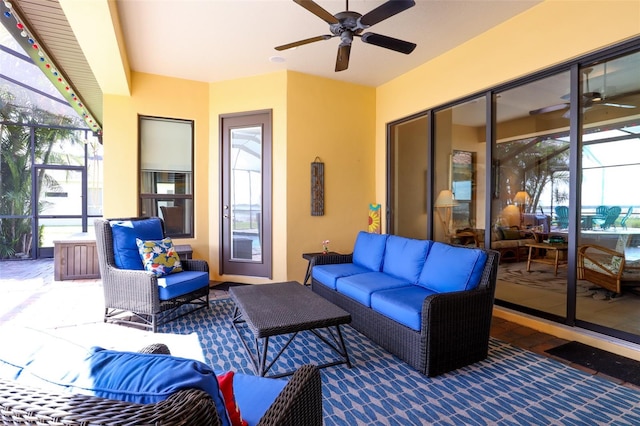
75	258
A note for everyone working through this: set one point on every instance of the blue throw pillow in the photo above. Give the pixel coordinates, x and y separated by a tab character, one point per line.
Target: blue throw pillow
449	268
125	233
368	251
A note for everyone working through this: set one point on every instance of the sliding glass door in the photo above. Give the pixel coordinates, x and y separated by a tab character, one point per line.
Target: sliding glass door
553	191
531	175
609	237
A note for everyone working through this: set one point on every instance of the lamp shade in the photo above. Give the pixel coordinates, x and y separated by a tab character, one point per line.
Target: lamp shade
445	199
521	198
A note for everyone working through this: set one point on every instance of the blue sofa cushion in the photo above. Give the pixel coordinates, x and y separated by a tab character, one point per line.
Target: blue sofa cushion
368	250
450	268
329	274
125	232
403	305
404	257
180	283
60	366
360	287
254	395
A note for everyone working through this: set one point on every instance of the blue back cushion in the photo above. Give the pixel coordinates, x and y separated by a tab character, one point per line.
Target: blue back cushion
450	268
368	250
125	233
404	257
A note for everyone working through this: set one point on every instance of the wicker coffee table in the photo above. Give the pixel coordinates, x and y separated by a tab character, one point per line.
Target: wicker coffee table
286	308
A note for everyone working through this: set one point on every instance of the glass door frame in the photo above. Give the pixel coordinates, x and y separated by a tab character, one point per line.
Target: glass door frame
47	252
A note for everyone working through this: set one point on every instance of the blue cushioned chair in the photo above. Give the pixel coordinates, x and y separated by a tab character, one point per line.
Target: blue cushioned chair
135	296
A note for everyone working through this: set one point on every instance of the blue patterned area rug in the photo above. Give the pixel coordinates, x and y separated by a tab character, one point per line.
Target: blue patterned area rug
511	387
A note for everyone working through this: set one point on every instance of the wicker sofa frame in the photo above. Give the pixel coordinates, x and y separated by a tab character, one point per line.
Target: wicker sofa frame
455	326
299	403
131	296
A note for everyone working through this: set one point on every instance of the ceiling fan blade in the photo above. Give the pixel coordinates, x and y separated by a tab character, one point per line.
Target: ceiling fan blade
317	10
384	11
342	61
618	105
302	42
389	42
550	108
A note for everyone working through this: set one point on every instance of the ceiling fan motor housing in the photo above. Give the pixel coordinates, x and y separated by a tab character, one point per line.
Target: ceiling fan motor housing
348	22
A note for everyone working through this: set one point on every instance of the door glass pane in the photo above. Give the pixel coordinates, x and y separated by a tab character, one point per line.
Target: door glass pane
59	194
609	238
409	161
246	193
530	195
459	179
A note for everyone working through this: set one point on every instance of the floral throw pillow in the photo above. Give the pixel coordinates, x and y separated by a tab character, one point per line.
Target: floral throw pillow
159	256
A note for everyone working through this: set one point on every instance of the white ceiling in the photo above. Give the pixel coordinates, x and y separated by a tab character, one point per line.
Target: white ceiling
216	40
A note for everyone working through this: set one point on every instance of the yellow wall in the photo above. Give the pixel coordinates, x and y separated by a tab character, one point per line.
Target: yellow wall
545	35
335	122
308	121
161	97
265	92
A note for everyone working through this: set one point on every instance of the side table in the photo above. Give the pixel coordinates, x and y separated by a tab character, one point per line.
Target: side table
311	258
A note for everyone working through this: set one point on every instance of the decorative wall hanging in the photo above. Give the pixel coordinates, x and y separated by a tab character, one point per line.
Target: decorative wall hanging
374	218
317	187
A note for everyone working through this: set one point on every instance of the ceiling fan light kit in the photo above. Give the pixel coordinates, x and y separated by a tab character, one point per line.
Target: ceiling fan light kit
349	24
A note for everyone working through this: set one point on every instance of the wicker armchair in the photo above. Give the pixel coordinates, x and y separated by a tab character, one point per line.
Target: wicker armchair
607	267
131	296
299	403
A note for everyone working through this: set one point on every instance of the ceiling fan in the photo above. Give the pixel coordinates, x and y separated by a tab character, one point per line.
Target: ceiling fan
349	24
589	98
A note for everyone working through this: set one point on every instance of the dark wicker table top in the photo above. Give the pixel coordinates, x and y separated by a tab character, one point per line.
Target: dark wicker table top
281	308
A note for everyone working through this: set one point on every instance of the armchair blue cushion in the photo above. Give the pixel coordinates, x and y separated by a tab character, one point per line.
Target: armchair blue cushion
125	232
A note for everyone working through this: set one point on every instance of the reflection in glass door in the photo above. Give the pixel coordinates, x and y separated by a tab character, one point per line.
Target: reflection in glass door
530	221
59	197
609	238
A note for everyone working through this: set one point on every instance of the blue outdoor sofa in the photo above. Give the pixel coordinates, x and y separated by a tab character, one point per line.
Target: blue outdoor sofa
429	303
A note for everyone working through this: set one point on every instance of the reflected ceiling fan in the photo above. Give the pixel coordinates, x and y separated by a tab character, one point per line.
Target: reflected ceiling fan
349	24
589	98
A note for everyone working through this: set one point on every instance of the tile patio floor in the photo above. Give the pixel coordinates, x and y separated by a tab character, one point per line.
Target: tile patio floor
29	296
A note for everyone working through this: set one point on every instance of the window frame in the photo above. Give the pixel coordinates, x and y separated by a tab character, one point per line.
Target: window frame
150	202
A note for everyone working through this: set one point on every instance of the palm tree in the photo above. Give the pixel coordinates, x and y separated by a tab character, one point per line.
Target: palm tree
17	157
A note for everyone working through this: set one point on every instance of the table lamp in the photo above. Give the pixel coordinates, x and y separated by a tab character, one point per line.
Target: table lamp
444	202
521	199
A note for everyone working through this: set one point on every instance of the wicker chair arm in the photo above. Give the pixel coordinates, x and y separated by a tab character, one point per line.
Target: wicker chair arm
21	404
155	348
195	265
130	289
299	403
